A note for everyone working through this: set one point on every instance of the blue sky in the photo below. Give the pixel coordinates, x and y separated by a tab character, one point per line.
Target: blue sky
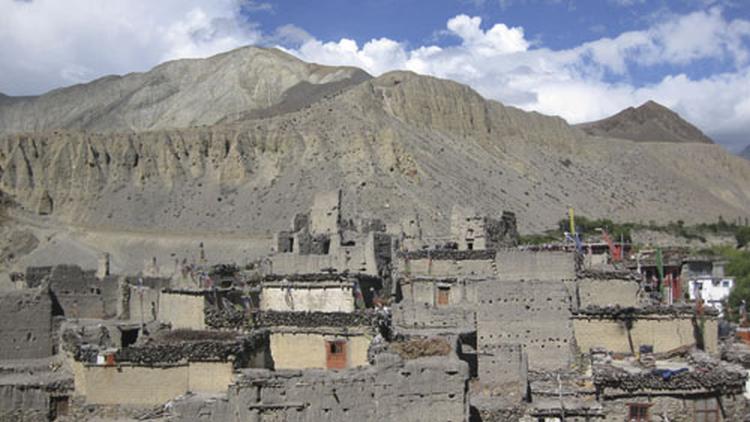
580	59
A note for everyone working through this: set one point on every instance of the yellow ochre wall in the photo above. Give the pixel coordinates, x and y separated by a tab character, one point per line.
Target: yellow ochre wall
308	350
146	385
663	333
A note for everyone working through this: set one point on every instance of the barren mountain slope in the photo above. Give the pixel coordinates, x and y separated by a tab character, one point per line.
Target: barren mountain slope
181	93
399	144
651	122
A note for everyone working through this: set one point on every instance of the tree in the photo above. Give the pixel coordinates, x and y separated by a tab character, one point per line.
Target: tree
743	236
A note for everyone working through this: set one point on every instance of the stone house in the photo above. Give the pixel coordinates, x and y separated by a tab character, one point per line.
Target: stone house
661	328
78	293
322	340
172	363
322	240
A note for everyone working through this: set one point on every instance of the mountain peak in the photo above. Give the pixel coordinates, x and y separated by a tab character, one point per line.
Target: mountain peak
248	81
649	122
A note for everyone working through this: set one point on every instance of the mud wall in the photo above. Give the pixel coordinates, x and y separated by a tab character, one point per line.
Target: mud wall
302	350
663	332
514	265
417	390
182	310
535	314
26	325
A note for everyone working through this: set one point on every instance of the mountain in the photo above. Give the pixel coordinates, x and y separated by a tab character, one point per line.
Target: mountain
650	122
397	145
745	152
249	81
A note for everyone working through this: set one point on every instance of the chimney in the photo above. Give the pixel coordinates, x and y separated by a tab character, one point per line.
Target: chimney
102	269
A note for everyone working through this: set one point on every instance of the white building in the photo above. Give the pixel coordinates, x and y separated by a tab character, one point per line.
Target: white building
706	280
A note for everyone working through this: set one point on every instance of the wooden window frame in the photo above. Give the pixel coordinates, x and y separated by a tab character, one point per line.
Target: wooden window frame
706	412
639	418
443	296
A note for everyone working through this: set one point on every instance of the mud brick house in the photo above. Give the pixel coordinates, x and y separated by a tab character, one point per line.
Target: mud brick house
321	240
78	293
691	387
663	328
323	292
171	364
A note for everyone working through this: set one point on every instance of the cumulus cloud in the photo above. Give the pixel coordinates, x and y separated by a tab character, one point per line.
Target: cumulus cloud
48	43
45	44
587	82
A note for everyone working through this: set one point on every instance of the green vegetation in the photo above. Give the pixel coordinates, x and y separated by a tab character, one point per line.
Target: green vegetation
587	227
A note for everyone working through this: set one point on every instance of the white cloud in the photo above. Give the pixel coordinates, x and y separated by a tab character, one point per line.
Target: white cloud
49	43
577	83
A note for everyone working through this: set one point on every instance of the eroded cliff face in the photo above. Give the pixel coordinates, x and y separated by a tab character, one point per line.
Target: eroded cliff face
397	145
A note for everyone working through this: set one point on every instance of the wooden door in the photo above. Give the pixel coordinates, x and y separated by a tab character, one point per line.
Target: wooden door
443	296
336	354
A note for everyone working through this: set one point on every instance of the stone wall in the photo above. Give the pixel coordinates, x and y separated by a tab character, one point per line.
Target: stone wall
26	324
415	390
677	408
143	303
81	294
424	266
358	258
503	364
663	332
471	231
514	265
408	315
325	213
23	404
425	291
533	313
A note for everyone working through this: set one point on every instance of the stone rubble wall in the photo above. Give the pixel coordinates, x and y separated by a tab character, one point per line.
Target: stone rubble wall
422	389
26	324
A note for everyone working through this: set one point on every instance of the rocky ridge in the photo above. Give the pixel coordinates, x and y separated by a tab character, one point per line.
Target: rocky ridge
397	145
650	122
745	152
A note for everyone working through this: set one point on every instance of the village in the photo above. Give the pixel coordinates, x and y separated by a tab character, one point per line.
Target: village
354	320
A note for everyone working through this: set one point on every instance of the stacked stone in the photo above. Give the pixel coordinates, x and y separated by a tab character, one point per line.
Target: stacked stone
178	351
450	254
719	378
609	274
227	318
621	312
312	319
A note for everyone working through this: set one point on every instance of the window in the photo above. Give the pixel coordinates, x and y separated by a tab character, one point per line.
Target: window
638	412
706	410
336	354
443	295
470	245
59	406
726	283
291	244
